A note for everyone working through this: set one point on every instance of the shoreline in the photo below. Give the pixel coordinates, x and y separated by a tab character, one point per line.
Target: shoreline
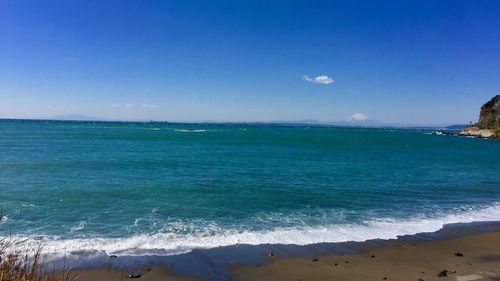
466	258
468	133
244	262
165	244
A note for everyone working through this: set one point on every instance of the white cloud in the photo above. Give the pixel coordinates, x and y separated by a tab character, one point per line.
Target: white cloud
115	105
149	105
129	105
321	79
358	116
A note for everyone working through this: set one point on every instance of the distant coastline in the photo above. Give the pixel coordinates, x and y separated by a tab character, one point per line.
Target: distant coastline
340	124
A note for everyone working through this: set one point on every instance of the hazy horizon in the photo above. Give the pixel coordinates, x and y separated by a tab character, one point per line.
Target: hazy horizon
420	62
347	122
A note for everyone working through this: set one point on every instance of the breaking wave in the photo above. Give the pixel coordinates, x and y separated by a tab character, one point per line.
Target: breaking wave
170	243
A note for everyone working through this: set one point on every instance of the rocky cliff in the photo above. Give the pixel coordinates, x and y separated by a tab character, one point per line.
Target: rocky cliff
489	121
489	117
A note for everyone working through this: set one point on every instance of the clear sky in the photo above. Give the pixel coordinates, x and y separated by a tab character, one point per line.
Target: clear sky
417	62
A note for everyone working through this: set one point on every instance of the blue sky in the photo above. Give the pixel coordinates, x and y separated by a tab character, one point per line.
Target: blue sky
417	62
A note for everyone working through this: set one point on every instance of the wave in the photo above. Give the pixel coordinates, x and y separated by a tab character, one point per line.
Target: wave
190	130
165	243
80	226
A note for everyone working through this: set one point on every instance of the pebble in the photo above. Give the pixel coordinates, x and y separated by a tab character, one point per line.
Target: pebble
443	273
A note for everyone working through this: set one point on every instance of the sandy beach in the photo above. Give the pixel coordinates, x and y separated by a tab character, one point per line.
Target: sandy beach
153	274
475	257
466	258
249	140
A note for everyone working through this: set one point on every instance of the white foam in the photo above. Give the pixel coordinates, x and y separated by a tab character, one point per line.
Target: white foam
80	226
168	243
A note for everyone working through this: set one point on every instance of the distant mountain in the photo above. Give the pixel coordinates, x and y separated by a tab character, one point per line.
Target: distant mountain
456	127
367	123
359	123
304	122
74	117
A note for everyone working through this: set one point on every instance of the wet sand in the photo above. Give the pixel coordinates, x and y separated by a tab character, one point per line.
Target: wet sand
154	274
475	257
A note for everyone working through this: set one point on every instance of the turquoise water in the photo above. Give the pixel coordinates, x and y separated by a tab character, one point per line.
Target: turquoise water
161	188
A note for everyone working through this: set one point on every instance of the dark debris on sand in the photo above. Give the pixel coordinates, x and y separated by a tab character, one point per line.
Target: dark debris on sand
443	273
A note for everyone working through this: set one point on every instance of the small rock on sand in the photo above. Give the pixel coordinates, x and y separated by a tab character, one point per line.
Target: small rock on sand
443	273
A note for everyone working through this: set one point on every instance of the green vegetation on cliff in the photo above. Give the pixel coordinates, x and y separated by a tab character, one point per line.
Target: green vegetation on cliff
489	118
488	125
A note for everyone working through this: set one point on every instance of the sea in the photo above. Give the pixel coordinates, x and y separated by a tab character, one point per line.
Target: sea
152	188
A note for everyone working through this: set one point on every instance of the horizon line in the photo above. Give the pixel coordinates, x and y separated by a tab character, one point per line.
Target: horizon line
313	122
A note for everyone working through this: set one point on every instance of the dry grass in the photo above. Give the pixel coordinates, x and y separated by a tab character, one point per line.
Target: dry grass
17	265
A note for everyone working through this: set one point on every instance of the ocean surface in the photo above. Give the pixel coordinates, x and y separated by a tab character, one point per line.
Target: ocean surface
162	188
